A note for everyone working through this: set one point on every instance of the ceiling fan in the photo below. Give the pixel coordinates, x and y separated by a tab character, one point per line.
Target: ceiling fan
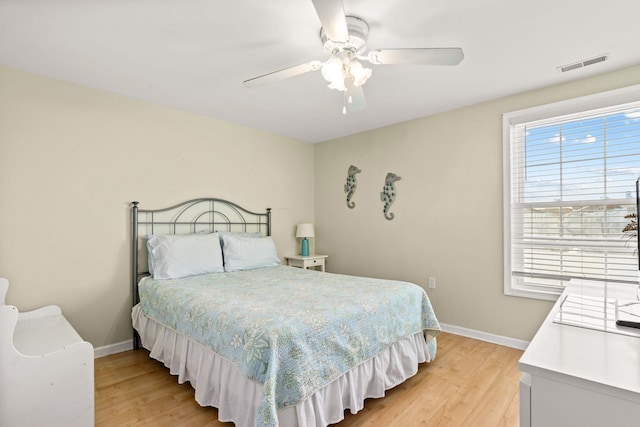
344	38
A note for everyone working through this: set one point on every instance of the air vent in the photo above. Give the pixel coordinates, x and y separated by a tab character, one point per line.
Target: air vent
575	66
595	60
583	63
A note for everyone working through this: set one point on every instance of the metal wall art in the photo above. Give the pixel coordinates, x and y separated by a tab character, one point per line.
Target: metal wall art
350	186
388	194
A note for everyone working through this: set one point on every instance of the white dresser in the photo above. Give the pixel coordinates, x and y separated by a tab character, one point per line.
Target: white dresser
574	376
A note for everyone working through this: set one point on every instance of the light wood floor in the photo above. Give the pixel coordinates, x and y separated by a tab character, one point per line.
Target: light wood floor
471	383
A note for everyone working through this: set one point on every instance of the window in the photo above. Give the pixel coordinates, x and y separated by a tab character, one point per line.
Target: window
570	179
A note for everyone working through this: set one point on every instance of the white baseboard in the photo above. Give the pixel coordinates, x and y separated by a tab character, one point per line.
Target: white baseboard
484	336
113	348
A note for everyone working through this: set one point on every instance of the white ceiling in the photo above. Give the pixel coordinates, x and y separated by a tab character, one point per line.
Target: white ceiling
194	54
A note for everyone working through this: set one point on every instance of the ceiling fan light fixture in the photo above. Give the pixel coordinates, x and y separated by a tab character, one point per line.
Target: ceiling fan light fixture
337	69
359	73
333	71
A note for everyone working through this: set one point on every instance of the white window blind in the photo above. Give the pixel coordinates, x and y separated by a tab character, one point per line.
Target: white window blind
572	180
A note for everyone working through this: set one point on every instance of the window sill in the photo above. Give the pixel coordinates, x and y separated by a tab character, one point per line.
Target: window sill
533	294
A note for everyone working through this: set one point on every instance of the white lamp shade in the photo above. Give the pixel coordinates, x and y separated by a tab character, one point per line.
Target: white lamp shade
336	70
359	73
305	230
333	72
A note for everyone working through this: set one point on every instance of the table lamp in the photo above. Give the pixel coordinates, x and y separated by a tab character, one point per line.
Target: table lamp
305	231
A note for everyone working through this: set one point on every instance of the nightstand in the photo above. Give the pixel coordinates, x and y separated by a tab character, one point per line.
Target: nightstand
307	261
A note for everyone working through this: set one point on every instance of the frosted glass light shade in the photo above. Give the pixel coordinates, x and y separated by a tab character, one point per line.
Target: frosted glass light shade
360	74
333	72
305	230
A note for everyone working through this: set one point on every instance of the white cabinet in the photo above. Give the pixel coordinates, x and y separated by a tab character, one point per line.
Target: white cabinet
581	377
525	400
46	369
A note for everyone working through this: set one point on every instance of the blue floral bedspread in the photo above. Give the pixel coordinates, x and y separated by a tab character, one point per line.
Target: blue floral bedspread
292	330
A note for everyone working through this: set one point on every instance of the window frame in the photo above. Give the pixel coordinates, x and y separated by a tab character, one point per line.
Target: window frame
509	121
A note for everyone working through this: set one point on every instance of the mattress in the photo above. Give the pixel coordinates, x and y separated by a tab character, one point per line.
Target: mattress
289	335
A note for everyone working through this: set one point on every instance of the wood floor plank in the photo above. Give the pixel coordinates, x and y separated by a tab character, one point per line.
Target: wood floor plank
495	398
470	383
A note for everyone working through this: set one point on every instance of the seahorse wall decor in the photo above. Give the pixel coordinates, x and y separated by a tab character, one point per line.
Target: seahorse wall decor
388	194
350	186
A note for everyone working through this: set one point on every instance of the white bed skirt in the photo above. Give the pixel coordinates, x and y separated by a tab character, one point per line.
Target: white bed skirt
219	383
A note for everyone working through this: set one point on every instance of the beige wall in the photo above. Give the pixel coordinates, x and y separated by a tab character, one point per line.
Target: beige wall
71	160
448	221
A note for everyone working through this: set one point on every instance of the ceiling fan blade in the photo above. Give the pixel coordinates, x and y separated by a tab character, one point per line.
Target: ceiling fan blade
355	99
334	23
424	56
276	76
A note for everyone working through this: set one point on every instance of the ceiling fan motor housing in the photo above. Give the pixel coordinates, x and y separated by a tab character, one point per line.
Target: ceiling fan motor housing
357	43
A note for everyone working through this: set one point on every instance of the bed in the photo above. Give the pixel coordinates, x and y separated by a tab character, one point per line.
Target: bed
267	344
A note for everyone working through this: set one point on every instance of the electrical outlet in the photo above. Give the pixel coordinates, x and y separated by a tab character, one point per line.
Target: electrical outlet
432	282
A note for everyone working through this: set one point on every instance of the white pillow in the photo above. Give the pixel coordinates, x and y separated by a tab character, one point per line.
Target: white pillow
173	256
246	253
234	233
